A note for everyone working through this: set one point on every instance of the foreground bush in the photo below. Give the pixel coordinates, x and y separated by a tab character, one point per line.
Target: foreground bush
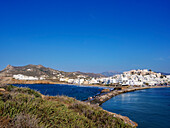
25	108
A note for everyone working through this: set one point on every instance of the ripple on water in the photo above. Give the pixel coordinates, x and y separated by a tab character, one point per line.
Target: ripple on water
149	108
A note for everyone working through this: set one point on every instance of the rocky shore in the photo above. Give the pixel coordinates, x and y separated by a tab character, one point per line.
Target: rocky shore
124	118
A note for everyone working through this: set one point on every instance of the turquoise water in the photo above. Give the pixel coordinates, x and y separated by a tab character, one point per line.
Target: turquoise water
150	108
78	92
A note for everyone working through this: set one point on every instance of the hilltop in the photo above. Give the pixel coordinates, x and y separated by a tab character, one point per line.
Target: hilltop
23	107
40	72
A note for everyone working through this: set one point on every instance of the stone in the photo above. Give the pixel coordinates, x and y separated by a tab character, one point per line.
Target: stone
105	90
2	90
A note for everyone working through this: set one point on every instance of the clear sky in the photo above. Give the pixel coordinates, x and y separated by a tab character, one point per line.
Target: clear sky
86	35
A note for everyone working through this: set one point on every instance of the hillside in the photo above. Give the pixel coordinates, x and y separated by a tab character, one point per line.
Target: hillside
41	71
23	107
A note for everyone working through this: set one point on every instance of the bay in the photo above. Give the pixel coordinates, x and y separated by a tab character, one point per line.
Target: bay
150	108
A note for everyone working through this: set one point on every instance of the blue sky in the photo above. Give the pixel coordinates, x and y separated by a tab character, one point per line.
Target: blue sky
86	35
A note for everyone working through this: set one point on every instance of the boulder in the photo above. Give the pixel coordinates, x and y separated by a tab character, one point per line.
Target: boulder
2	90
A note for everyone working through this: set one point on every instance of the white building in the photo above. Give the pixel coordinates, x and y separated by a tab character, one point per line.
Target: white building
136	77
93	81
23	77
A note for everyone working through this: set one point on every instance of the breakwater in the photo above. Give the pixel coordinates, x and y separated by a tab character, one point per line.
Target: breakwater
103	97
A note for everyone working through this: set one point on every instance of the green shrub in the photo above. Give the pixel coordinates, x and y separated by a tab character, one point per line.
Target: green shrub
29	91
5	97
23	107
24	120
9	87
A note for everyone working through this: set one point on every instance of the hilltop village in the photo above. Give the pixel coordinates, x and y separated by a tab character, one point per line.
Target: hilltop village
133	78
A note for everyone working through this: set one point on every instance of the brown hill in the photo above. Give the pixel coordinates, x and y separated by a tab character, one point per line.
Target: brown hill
39	70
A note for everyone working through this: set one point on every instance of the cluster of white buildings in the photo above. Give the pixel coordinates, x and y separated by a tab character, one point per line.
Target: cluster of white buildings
73	81
137	77
133	77
23	77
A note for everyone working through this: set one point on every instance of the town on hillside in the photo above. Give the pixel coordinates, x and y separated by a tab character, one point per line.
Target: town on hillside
133	78
40	73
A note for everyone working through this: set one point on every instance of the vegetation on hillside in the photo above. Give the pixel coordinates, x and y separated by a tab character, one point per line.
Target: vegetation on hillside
26	108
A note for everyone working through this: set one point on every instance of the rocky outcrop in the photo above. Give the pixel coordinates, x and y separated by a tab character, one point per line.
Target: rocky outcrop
9	67
124	118
105	90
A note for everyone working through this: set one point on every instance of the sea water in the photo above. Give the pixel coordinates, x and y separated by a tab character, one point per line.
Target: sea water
78	92
150	108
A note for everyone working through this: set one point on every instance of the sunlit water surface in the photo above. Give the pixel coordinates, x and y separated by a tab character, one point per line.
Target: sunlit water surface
150	108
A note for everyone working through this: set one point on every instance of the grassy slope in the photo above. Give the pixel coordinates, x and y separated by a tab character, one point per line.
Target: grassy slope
23	107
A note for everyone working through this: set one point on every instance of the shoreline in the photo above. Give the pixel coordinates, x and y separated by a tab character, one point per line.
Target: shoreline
124	118
14	81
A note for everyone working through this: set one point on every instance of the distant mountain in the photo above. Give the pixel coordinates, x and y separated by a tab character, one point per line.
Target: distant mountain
163	73
110	73
39	71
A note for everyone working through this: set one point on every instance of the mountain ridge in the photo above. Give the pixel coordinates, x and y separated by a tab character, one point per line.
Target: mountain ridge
110	73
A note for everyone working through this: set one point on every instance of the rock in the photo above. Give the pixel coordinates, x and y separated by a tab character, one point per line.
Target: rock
9	67
105	90
90	98
2	90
